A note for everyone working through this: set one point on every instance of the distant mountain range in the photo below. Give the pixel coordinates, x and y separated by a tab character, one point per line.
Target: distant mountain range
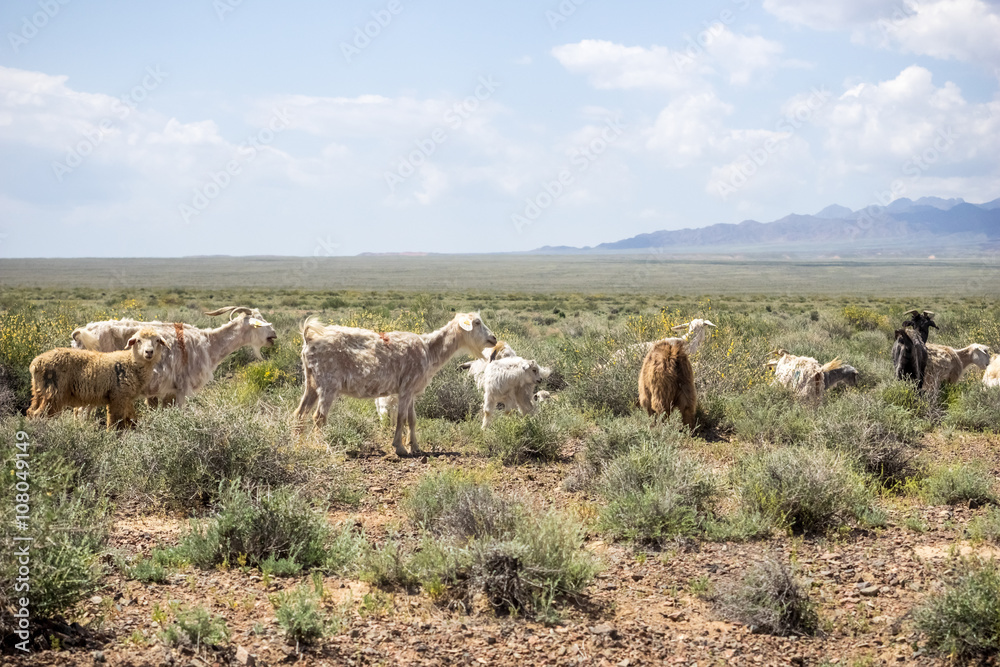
928	225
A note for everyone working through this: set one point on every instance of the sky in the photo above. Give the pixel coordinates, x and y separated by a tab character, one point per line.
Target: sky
245	127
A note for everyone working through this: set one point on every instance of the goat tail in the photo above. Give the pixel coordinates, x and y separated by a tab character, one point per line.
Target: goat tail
85	339
830	365
311	329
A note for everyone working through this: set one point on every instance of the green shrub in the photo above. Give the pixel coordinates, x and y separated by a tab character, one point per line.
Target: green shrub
985	527
653	492
975	407
299	614
769	600
864	319
179	456
435	493
345	549
766	414
387	565
258	525
514	438
147	570
963	622
598	379
959	483
877	434
451	395
616	436
195	627
68	517
803	489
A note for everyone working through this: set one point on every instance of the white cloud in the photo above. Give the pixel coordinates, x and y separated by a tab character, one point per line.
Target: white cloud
608	65
616	66
964	30
837	15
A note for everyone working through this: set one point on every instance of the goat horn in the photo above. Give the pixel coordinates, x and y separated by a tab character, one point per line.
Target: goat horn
240	309
220	311
929	313
911	312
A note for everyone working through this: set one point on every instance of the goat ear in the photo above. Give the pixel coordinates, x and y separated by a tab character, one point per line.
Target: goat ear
680	327
466	323
709	323
161	341
131	341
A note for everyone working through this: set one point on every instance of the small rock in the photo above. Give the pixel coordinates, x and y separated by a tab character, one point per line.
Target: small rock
624	663
97	599
676	616
637	577
869	591
98	656
605	629
245	658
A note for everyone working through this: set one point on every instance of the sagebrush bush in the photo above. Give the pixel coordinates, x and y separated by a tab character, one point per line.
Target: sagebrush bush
806	490
765	414
985	527
179	456
963	622
878	435
653	492
970	484
68	517
514	438
975	407
257	525
195	627
769	600
299	613
451	395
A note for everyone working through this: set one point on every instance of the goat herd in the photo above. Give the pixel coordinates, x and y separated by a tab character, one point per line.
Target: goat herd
114	362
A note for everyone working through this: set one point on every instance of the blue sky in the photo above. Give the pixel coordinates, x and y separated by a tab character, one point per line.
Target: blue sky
315	128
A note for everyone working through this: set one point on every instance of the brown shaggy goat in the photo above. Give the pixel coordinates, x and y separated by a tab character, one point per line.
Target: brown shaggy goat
666	381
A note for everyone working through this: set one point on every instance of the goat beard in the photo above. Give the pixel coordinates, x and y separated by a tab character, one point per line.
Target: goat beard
256	352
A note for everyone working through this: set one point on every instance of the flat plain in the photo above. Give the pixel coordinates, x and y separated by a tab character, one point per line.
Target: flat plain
774	533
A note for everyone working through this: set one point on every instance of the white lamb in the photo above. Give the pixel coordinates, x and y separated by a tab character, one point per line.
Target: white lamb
510	383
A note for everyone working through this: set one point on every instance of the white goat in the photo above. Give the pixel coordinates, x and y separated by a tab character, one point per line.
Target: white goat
946	364
386	406
807	378
698	332
510	383
991	378
193	354
364	364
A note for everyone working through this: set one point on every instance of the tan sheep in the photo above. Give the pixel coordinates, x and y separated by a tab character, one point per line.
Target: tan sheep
666	381
946	364
991	378
70	378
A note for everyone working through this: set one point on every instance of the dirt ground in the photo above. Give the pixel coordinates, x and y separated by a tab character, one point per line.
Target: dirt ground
641	609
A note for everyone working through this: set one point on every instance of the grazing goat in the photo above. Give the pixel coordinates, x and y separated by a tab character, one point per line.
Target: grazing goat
386	406
991	378
946	364
698	332
909	356
807	377
193	354
666	382
72	378
361	363
510	382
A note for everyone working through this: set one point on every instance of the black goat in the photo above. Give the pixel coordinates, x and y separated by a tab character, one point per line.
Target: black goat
909	355
922	322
